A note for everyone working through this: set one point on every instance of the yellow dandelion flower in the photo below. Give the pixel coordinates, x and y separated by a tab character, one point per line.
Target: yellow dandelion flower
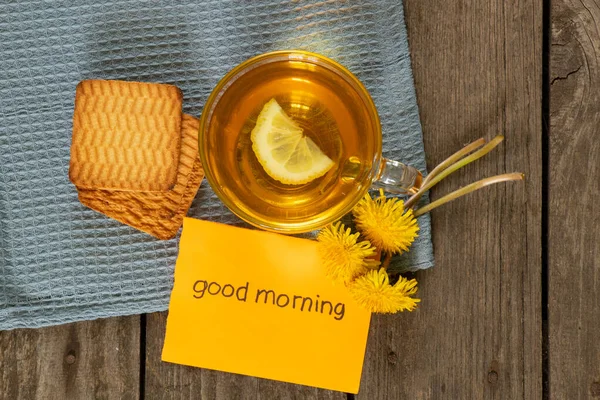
374	292
385	223
343	256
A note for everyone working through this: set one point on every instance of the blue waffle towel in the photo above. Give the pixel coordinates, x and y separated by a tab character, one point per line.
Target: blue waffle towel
61	262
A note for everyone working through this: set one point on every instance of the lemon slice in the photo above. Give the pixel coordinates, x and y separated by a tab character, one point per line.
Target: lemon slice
284	152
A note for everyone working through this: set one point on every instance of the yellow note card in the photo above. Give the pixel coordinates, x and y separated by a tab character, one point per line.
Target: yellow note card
260	304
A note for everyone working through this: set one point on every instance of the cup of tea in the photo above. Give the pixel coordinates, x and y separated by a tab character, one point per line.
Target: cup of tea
278	117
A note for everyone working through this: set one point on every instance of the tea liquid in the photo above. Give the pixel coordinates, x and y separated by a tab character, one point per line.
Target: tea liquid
330	111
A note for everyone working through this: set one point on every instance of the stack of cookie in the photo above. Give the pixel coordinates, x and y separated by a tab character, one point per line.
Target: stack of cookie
134	155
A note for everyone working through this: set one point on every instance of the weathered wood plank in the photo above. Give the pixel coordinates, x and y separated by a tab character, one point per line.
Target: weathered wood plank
477	334
574	210
86	360
170	381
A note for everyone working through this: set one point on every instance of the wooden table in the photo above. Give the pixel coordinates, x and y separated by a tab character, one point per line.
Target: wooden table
512	308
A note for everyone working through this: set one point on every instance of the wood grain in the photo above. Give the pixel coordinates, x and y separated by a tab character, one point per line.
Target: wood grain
477	333
170	381
86	360
574	211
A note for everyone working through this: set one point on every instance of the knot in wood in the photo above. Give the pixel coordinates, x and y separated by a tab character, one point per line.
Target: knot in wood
70	357
492	377
392	358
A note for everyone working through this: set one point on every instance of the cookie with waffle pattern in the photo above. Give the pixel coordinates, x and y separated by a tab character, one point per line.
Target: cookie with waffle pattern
126	135
157	213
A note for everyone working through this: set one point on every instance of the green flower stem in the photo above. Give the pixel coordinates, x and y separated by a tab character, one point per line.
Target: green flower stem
468	189
454	167
452	159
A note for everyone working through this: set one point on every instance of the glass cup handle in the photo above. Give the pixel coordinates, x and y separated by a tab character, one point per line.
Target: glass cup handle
397	178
